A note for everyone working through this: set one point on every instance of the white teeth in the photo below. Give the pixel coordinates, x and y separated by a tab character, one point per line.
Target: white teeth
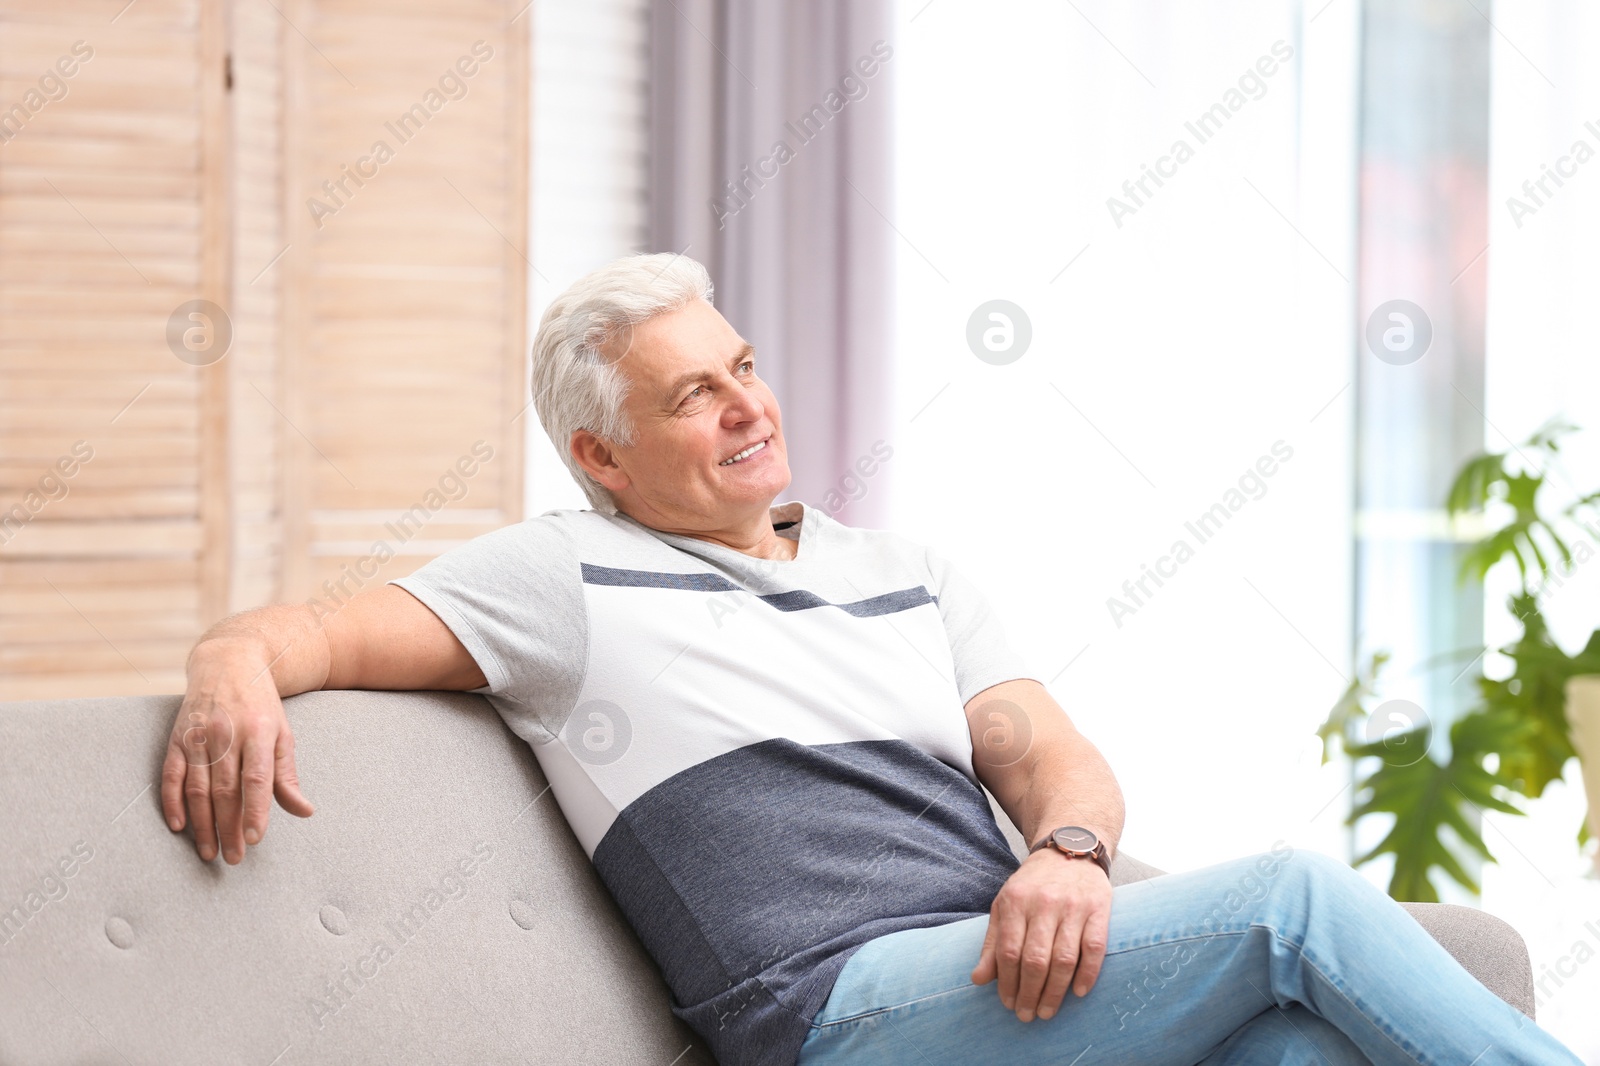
744	454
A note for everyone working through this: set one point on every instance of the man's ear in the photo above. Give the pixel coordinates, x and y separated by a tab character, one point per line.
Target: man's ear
596	457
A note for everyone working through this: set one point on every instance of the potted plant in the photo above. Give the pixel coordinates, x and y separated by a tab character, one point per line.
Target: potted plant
1521	733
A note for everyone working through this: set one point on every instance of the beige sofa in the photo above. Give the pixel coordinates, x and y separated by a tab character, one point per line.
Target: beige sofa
436	908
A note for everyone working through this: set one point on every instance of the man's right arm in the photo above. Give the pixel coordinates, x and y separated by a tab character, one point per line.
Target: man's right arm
231	749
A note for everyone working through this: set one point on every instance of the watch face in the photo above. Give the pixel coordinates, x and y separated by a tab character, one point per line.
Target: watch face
1075	838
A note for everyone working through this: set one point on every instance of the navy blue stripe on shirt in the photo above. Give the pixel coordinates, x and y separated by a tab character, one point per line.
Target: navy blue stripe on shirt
794	600
656	579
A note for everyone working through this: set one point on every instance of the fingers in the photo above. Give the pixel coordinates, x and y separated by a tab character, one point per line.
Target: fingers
1047	934
173	771
988	967
226	789
221	773
1065	959
255	775
1008	951
286	782
197	790
1092	950
1079	952
1040	959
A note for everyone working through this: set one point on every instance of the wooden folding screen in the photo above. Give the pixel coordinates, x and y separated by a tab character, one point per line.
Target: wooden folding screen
336	191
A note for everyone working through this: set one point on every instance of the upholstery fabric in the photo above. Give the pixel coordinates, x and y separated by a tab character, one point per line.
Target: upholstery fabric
357	935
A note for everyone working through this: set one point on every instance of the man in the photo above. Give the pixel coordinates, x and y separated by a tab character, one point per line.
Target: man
768	731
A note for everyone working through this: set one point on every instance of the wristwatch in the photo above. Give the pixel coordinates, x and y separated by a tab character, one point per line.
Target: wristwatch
1078	843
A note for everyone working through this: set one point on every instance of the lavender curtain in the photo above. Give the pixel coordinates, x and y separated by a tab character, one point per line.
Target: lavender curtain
771	162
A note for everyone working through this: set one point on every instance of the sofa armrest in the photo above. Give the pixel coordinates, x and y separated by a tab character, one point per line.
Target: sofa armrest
1125	869
1487	947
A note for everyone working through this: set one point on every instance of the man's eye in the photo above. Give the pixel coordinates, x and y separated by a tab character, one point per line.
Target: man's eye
751	363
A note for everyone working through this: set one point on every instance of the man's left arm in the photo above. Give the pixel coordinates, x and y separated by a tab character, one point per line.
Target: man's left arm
1047	926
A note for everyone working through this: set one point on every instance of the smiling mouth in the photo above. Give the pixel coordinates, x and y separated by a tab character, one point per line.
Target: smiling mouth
754	449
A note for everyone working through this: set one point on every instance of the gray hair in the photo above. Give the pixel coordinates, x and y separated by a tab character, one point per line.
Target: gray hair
574	385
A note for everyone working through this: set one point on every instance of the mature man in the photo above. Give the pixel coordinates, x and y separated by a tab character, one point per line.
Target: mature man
768	731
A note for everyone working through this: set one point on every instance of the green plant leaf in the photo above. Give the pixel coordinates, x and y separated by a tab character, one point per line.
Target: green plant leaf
1472	487
1348	712
1536	693
1484	477
1548	436
1426	795
1520	720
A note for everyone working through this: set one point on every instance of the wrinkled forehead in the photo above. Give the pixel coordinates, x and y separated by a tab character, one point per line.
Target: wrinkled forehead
671	351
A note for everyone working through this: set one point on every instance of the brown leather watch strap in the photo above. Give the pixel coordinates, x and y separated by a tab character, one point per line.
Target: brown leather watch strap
1100	855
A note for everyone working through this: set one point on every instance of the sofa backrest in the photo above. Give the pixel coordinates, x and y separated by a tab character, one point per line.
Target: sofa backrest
435	908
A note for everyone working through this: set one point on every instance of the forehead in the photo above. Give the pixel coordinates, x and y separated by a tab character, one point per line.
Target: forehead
671	346
682	333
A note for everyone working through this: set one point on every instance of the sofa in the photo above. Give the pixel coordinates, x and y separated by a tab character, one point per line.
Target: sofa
436	908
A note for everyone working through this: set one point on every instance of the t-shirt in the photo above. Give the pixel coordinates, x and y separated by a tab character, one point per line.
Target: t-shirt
767	761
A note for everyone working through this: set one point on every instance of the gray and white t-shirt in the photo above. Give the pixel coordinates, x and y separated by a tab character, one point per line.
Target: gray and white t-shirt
767	761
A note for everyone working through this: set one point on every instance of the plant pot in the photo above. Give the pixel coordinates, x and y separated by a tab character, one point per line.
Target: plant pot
1583	715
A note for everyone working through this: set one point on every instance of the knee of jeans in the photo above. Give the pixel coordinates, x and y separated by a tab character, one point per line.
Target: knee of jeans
1313	869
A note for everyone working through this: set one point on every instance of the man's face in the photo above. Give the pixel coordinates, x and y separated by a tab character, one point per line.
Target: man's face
695	401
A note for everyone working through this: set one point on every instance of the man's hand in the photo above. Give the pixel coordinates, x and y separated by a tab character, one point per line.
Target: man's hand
1047	928
230	752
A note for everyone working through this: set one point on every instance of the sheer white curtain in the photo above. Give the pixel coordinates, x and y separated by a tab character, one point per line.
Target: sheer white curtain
589	174
1197	327
1543	361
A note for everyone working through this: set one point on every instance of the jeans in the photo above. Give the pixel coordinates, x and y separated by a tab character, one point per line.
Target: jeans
1283	957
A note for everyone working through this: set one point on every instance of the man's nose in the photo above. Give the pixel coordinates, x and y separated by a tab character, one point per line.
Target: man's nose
745	404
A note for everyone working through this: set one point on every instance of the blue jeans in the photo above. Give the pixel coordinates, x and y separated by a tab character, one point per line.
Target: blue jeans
1284	957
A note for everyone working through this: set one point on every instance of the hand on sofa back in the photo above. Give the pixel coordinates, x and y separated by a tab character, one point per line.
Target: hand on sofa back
231	749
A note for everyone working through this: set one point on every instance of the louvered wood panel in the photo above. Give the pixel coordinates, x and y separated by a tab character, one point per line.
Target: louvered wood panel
406	342
370	354
105	195
261	262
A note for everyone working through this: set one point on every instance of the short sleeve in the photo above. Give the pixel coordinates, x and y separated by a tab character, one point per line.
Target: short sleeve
514	599
978	645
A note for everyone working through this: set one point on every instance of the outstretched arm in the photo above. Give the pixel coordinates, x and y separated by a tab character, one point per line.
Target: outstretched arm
231	749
